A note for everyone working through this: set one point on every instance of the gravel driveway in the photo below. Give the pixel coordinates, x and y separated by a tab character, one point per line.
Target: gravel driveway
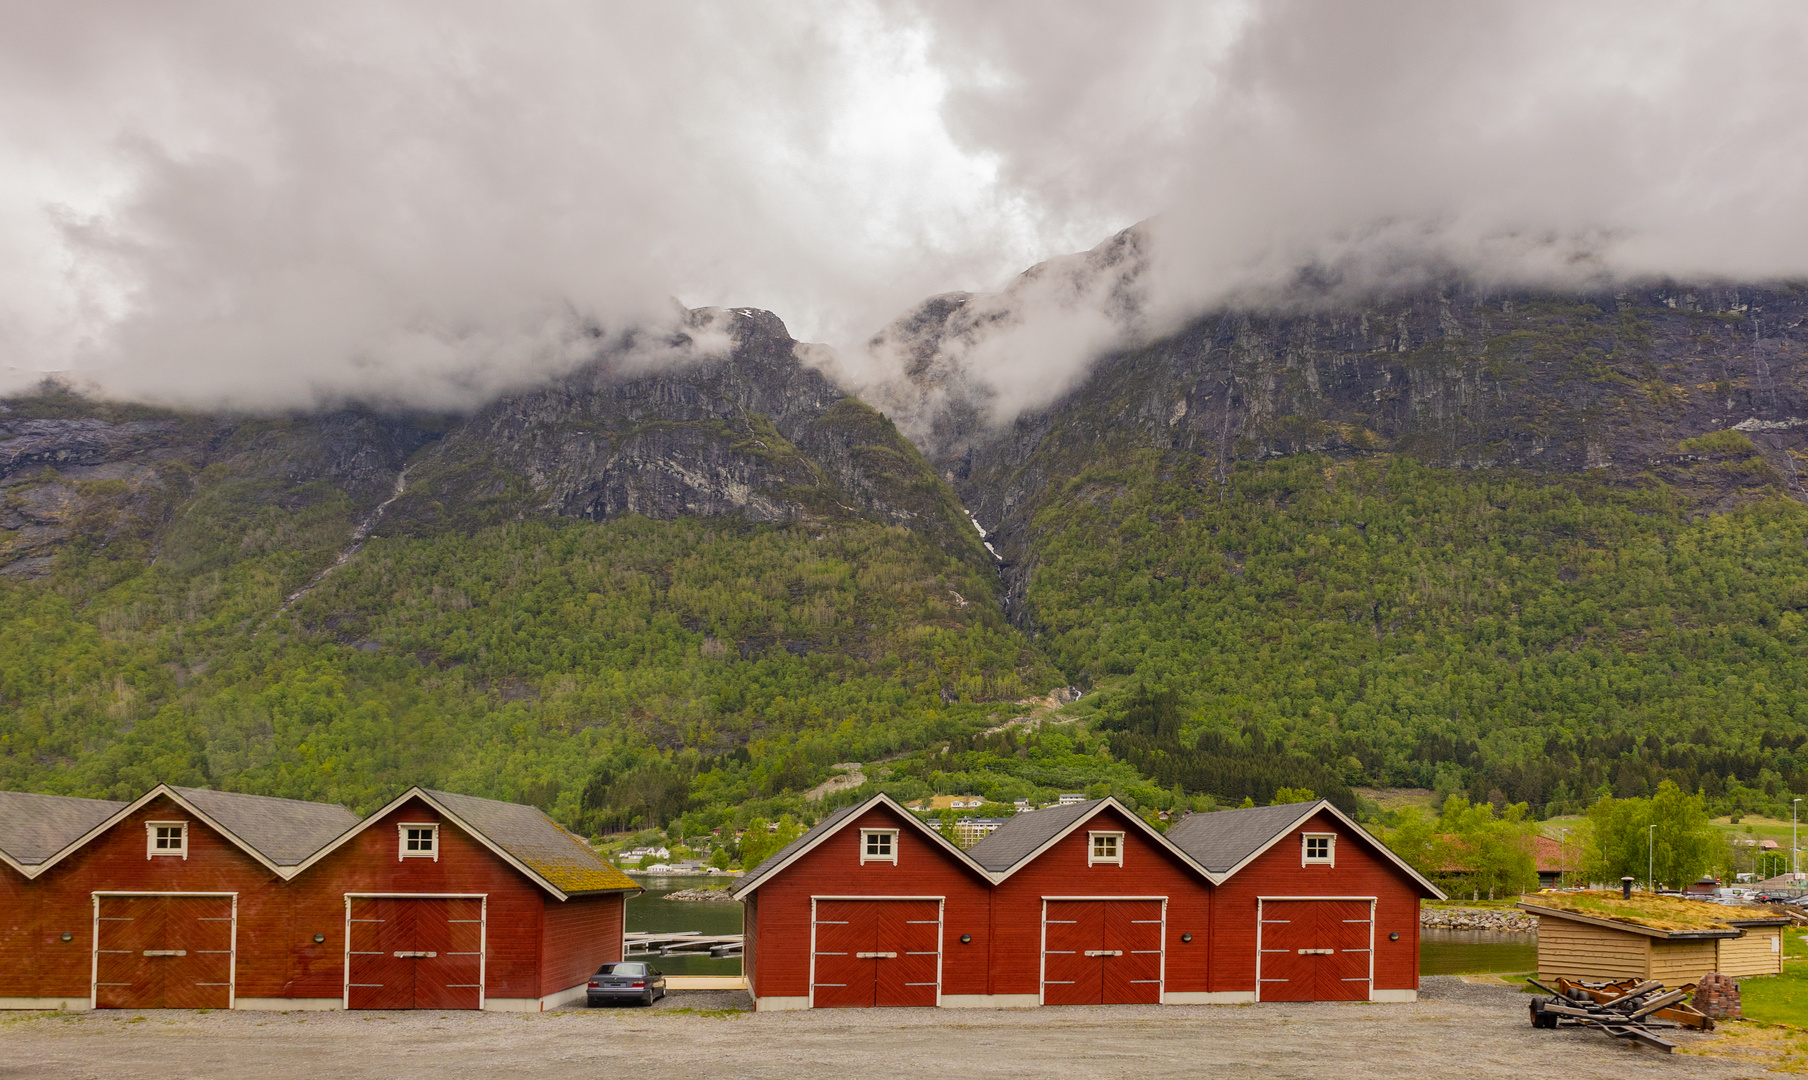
1456	1030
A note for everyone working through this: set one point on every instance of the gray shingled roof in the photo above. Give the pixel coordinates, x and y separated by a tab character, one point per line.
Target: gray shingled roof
285	831
538	843
35	827
1224	838
777	858
1025	833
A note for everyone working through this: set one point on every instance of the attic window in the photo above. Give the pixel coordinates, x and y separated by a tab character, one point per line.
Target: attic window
419	841
166	838
1107	849
879	845
1318	849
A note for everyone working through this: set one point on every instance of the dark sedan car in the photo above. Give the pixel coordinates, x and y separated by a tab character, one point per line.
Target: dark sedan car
626	981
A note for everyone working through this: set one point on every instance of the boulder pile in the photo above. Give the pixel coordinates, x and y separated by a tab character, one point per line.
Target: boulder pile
1510	922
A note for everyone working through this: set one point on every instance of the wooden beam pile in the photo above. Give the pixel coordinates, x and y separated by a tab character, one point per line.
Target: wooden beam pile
1624	1010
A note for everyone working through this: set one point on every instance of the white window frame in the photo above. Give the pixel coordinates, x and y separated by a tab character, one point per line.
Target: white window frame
893	845
1305	850
1093	858
402	851
152	851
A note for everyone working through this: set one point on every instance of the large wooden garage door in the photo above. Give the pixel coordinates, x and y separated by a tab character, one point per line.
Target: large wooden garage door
415	953
1315	950
164	952
1101	952
876	952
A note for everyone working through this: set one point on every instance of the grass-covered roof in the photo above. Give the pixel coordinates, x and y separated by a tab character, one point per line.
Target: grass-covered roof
1652	911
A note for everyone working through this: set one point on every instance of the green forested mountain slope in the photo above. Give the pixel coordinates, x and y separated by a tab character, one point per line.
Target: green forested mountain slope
1280	565
516	663
1498	542
580	596
1532	638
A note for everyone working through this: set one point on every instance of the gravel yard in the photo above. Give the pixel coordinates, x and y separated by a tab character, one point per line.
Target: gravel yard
1456	1030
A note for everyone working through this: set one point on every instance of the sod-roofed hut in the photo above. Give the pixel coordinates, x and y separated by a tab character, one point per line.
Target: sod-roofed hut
1603	935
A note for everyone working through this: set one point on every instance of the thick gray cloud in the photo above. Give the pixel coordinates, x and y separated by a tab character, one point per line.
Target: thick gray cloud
274	204
278	204
1546	143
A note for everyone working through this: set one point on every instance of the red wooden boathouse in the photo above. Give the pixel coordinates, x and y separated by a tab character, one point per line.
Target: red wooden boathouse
869	907
1093	906
1308	906
188	898
1083	904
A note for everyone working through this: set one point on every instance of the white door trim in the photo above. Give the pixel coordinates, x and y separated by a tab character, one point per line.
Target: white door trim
483	935
1161	986
941	936
232	966
1260	900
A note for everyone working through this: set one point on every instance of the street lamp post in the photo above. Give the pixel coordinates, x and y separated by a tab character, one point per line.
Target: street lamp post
1651	857
1795	861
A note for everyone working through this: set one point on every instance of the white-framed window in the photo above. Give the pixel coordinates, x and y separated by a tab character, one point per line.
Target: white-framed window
418	840
1318	849
1105	849
879	845
166	838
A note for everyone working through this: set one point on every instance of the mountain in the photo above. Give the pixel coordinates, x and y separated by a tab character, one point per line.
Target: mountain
713	551
1518	545
1522	545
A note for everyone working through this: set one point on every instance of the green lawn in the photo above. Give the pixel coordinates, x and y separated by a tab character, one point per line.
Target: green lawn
1777	999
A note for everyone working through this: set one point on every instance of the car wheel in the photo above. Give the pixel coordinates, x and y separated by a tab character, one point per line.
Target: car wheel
648	999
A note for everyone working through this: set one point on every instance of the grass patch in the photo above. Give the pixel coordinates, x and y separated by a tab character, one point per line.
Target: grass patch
1777	999
1773	1047
1717	442
712	1014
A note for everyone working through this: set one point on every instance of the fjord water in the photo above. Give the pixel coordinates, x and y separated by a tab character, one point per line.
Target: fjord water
1469	952
651	911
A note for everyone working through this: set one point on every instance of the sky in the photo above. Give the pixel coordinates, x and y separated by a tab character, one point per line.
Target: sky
427	203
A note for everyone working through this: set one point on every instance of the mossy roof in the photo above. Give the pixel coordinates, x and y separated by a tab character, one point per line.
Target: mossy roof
1649	911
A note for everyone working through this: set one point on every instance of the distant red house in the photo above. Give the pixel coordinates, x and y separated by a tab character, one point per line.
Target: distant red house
188	898
1552	859
1083	904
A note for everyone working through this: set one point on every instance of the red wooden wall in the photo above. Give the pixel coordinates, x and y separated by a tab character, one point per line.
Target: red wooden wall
19	932
1278	872
35	914
779	923
1016	952
580	935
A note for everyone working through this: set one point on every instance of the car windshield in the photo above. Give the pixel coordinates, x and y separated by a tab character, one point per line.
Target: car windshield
622	969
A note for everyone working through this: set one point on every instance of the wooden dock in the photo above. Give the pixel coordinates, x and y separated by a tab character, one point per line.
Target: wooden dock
681	943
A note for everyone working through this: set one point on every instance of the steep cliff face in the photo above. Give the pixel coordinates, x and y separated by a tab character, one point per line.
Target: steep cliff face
754	433
131	482
1458	377
751	432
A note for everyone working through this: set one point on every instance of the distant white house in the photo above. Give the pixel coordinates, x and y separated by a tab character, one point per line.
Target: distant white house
640	853
1069	800
970	830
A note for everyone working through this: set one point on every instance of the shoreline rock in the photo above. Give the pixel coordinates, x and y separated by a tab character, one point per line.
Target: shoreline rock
705	895
1506	922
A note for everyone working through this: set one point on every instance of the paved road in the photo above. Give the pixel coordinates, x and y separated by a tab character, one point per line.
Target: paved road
1458	1031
